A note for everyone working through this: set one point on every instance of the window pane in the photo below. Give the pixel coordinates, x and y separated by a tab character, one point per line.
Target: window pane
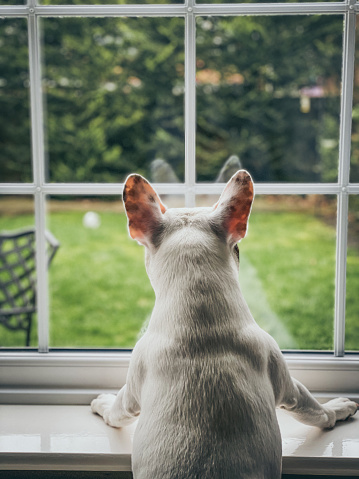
105	2
15	150
354	166
114	92
287	268
252	1
352	303
268	92
17	272
100	293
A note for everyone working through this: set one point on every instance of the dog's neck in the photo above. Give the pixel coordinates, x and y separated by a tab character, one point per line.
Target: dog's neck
196	294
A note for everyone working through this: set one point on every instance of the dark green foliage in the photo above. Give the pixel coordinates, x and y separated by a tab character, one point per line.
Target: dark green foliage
110	105
253	72
114	96
15	153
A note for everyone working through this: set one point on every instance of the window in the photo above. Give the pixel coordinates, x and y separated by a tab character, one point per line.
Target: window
185	94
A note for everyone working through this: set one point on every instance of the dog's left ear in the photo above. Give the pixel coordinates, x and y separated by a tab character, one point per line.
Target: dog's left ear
234	206
144	210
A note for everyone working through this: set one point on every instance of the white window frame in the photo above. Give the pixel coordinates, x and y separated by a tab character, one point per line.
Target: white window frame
45	375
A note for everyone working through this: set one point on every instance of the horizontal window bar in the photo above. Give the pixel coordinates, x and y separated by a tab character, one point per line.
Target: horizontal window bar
176	188
180	10
277	188
14	11
107	189
96	10
272	8
17	189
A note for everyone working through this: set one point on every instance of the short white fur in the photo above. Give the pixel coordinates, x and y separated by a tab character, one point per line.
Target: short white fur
204	379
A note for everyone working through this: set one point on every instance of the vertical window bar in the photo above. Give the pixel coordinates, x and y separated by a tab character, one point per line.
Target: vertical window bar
340	286
38	161
190	105
343	176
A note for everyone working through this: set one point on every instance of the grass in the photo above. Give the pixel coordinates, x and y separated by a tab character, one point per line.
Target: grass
100	295
104	297
294	255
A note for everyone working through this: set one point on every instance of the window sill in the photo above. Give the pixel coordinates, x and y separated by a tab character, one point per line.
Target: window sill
74	377
55	438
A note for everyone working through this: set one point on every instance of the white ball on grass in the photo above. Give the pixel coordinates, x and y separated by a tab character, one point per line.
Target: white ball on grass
91	220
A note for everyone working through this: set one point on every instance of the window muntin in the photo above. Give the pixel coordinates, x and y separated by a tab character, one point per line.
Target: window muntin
114	89
190	188
15	148
268	94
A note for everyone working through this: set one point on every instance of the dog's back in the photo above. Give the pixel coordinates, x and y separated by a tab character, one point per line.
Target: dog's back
201	414
201	419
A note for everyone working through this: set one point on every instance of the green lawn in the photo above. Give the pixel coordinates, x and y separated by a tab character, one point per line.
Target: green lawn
101	296
294	256
100	293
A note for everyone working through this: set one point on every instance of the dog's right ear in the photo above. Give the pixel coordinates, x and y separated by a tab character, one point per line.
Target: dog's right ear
234	206
144	210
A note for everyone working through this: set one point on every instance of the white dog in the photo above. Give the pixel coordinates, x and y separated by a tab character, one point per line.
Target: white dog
204	379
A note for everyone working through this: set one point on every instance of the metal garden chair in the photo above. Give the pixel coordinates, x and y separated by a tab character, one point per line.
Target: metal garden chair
18	277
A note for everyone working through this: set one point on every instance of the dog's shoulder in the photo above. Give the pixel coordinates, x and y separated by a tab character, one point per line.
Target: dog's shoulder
259	348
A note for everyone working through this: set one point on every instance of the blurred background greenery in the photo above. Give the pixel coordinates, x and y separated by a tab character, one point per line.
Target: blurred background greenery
268	91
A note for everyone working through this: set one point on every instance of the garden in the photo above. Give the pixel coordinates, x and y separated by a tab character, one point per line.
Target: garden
100	296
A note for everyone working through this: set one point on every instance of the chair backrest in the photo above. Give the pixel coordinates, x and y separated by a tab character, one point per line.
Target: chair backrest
18	275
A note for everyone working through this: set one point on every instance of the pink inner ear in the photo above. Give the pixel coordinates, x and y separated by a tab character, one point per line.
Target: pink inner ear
151	195
238	219
235	204
143	208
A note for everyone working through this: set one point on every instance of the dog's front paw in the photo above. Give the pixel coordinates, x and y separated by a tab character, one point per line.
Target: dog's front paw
102	404
340	409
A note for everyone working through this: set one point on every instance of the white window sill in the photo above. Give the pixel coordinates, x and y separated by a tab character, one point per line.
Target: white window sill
72	438
74	377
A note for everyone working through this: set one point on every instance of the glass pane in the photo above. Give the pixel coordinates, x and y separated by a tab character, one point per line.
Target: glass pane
17	272
114	90
15	149
99	290
352	299
268	93
253	1
287	268
354	166
105	2
12	2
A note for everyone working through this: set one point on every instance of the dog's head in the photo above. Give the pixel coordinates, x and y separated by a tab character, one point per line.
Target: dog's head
199	231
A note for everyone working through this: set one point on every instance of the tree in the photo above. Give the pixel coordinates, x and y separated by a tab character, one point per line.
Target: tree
15	146
252	74
268	90
114	92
